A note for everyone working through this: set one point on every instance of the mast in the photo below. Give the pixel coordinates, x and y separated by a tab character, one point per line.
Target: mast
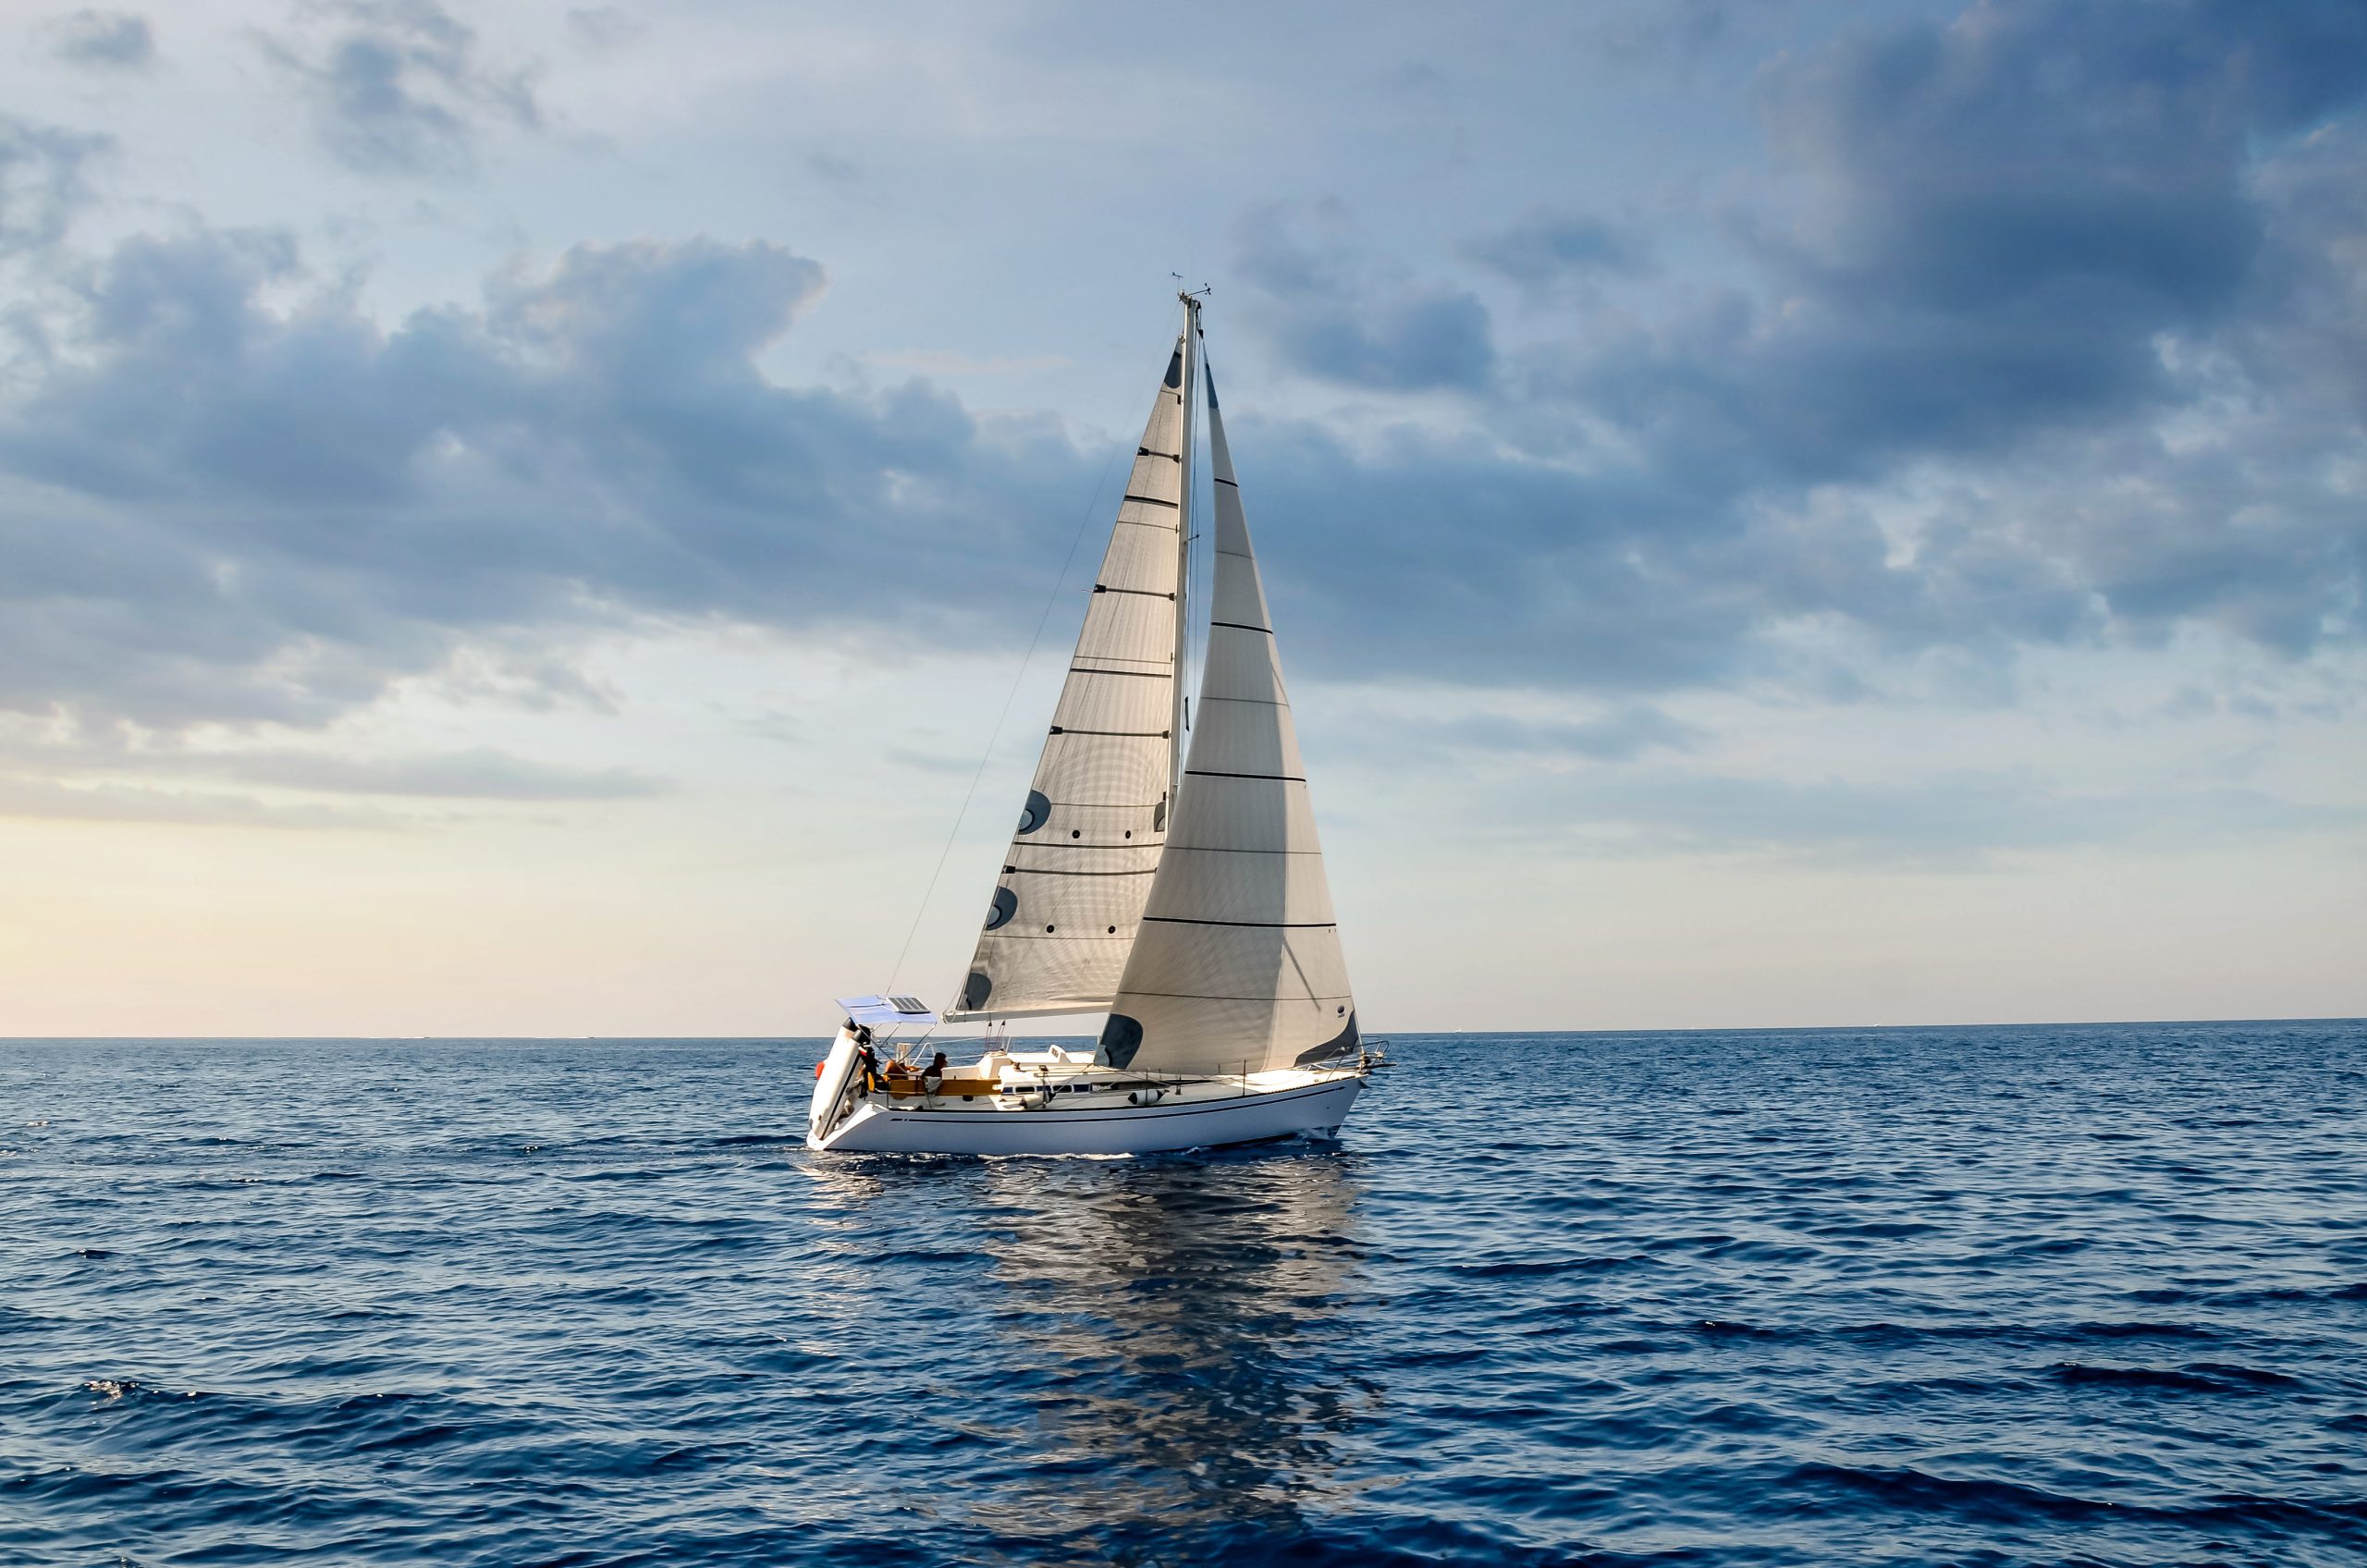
1184	543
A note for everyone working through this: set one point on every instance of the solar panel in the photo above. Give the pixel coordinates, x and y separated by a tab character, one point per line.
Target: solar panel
876	1011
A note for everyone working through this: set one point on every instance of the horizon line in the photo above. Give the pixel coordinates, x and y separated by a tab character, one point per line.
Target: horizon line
1373	1035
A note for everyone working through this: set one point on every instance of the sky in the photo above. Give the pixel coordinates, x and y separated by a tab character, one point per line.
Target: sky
530	520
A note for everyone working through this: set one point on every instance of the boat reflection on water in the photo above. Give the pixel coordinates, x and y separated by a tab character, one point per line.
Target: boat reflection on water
1168	1335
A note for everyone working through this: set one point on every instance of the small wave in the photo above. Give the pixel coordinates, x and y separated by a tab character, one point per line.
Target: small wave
2111	1331
1907	1487
1527	1268
2255	1376
1718	1329
2202	1376
1880	1230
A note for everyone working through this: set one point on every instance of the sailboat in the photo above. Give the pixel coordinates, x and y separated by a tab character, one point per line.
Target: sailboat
1165	872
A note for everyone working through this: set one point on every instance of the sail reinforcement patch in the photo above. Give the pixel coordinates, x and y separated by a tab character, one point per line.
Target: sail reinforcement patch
1121	1038
1341	1043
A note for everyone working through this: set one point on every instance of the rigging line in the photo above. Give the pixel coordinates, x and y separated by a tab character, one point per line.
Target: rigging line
1051	602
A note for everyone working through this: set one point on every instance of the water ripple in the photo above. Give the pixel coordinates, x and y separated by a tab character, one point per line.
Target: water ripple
2000	1296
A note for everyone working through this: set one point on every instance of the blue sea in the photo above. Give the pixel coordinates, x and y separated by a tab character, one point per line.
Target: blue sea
2089	1295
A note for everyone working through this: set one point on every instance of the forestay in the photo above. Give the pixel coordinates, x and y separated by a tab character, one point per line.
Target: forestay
1238	966
1068	901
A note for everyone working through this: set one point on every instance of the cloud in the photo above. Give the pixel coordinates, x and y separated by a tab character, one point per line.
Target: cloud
398	87
952	362
1619	735
2008	213
116	40
134	802
478	774
41	182
1677	31
839	173
1956	819
1614	737
1329	322
1548	249
228	494
216	508
605	26
2048	229
118	774
2059	339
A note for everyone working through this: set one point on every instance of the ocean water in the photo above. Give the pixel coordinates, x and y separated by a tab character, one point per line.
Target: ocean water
2090	1296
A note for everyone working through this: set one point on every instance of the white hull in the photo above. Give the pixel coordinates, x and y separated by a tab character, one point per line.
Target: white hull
1232	1114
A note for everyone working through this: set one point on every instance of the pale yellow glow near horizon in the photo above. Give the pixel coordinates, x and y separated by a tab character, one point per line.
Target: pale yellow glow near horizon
609	928
782	871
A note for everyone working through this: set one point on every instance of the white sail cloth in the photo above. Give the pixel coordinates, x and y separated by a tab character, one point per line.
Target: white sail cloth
1238	967
1068	901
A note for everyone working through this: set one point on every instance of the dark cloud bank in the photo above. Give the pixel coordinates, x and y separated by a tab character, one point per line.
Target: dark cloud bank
2028	240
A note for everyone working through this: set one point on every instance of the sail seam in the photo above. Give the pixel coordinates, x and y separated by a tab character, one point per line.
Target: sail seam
1212	850
1133	734
1247	925
1211	773
1261	702
1227	483
1144	592
1218	996
1151	501
1046	871
1145	674
1243	626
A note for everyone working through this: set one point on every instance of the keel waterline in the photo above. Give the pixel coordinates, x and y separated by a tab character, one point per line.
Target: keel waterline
1170	880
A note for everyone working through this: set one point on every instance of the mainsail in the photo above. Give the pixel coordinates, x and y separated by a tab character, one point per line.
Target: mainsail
1069	897
1237	968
